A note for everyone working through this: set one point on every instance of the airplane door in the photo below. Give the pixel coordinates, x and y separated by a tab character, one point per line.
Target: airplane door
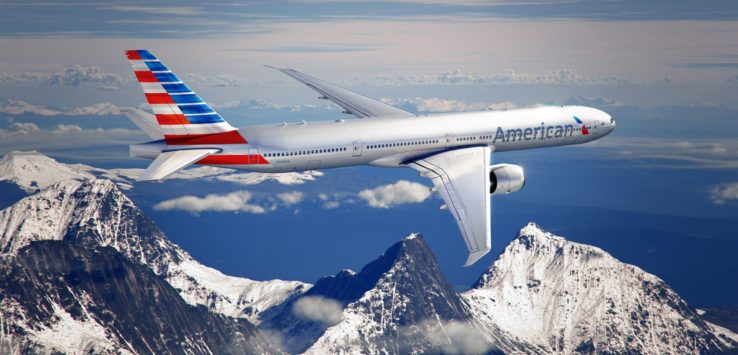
253	156
357	148
449	140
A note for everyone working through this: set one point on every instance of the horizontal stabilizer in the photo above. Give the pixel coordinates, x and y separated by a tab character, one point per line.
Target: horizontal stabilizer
169	162
474	256
145	121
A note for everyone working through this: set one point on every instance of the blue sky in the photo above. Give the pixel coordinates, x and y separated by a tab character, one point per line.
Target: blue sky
666	70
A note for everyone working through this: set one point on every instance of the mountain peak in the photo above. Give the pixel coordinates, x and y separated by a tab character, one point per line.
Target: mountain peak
404	285
33	171
572	297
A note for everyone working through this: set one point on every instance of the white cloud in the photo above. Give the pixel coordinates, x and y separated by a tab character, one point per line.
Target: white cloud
263	105
241	178
221	80
234	201
77	76
594	102
401	192
510	76
435	104
22	128
19	107
329	202
455	337
71	129
321	309
733	79
720	195
675	153
157	10
67	129
18	130
291	198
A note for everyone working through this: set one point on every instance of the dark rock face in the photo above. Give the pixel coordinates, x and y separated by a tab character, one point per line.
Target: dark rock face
415	273
134	309
394	297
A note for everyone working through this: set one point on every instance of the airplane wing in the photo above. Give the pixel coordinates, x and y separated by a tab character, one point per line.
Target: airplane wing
461	177
356	104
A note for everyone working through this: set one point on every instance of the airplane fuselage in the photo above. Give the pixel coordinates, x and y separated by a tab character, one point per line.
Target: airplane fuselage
394	141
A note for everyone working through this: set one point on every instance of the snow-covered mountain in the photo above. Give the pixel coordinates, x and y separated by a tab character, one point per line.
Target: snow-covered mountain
573	298
60	297
398	303
33	171
96	213
543	295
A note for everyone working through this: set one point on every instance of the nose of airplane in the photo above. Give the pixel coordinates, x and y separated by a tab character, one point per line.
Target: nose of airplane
607	120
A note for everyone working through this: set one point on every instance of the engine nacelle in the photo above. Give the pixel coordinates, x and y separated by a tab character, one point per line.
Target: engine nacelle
505	178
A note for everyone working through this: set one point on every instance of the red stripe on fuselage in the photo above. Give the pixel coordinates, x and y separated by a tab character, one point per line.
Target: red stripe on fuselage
230	137
235	159
585	131
159	98
172	119
146	77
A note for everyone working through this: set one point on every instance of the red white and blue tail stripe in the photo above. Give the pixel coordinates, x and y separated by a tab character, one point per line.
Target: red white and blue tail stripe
184	117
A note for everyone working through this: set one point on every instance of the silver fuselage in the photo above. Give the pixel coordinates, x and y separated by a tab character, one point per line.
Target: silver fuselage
392	142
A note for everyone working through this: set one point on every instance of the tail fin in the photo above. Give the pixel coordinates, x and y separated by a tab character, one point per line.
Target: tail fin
182	116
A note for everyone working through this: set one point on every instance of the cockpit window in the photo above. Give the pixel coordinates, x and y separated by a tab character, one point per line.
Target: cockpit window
612	120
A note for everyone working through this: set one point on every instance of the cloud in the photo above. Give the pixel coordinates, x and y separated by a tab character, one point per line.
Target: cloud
329	202
401	192
180	10
320	309
263	105
455	337
435	104
27	135
448	337
675	153
19	129
241	178
19	107
67	129
71	129
234	201
720	195
594	102
733	79
291	198
77	76
457	76
222	80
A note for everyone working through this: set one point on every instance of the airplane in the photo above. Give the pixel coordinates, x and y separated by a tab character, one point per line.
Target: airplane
453	150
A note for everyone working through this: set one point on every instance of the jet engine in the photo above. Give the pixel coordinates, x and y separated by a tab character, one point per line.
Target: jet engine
505	178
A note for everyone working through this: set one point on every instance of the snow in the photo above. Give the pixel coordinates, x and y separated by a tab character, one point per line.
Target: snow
42	216
559	294
32	171
71	336
725	331
234	293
